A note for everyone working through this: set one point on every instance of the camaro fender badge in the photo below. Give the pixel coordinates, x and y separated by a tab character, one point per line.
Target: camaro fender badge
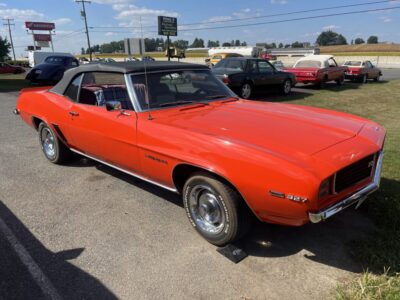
156	159
297	198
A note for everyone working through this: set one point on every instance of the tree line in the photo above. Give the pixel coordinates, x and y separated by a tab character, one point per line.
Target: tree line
156	44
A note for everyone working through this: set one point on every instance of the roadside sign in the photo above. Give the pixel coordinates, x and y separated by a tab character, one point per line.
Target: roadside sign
42	37
167	26
42	44
40	26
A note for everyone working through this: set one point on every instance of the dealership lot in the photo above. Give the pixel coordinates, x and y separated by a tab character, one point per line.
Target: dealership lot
92	231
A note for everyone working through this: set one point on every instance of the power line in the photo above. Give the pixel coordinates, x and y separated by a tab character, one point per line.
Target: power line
83	14
260	17
9	31
262	23
294	19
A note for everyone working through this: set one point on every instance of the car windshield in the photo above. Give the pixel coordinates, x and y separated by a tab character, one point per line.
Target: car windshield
174	88
308	64
354	63
57	60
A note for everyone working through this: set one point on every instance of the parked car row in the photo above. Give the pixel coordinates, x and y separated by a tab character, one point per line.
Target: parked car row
177	126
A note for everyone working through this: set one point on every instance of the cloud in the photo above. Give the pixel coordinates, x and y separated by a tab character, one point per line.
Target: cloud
3	4
386	19
111	2
62	21
21	14
109	33
330	27
281	2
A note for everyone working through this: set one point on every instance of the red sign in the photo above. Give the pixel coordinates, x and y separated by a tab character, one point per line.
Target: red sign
42	37
40	26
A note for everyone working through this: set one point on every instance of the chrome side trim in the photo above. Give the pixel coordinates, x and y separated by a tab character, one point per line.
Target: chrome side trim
358	197
126	171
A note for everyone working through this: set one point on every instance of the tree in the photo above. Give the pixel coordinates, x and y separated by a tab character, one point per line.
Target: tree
244	44
273	45
359	41
297	45
329	37
287	46
197	43
373	39
237	43
211	44
4	48
181	44
226	44
280	45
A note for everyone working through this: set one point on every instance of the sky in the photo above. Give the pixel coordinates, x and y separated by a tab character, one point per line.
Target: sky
104	16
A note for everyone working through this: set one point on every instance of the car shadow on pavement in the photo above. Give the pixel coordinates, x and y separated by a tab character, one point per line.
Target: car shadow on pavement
69	281
325	243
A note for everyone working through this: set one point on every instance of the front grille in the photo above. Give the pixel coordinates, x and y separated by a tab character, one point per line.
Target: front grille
354	173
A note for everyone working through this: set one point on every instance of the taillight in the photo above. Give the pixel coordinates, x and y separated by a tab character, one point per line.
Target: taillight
325	188
226	79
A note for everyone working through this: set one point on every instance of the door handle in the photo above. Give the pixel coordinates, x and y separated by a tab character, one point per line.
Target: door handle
73	113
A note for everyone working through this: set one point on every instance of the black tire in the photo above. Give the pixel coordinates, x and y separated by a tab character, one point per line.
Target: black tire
286	87
364	78
215	210
322	84
246	90
60	153
377	78
340	81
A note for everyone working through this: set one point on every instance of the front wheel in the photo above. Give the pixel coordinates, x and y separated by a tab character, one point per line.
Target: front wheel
286	87
54	150
246	90
364	78
214	209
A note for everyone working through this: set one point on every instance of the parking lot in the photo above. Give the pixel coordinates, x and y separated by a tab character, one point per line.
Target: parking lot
84	230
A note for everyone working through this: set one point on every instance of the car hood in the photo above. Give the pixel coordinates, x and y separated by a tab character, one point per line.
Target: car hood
283	128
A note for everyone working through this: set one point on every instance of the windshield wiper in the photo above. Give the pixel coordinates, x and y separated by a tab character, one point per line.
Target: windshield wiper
212	97
175	103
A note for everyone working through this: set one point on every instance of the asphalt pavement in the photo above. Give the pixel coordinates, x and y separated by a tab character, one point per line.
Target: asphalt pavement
86	231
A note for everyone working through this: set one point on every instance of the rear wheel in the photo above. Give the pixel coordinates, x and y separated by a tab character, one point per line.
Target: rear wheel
377	78
54	150
246	90
340	81
286	87
214	209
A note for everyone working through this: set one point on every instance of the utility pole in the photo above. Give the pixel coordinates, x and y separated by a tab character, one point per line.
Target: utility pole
9	30
83	14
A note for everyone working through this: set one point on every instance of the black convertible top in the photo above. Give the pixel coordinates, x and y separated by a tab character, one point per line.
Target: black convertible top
122	67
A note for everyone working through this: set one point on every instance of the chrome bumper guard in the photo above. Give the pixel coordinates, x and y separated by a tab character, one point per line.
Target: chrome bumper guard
358	197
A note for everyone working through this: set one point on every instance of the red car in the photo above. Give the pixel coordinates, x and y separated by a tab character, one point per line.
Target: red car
362	71
6	69
177	126
318	70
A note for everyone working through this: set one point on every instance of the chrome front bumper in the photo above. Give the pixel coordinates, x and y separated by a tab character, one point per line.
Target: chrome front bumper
358	197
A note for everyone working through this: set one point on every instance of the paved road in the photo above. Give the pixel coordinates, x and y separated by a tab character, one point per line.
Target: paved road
93	232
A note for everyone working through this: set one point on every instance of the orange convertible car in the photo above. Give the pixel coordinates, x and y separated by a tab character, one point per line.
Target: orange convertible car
177	126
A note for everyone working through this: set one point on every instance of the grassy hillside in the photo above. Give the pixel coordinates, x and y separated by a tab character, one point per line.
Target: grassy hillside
363	49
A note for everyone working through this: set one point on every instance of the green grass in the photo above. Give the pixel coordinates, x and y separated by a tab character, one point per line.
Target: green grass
380	250
370	286
12	82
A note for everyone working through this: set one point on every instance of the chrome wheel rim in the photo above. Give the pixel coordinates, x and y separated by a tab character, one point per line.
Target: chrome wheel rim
206	209
246	90
48	144
287	87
